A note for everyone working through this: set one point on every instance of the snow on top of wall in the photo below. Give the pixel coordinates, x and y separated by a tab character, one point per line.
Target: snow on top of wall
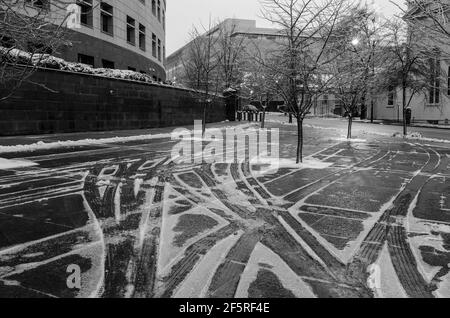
52	62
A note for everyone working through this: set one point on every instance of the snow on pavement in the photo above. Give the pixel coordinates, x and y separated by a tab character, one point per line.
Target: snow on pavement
86	142
386	282
6	164
197	283
270	165
288	278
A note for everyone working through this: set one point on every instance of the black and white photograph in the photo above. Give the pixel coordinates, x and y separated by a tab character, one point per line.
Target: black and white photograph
247	151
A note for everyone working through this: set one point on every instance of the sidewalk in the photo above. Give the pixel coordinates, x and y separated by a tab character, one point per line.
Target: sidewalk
95	135
389	123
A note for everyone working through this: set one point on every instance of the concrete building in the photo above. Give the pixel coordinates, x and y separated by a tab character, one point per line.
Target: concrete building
120	34
255	39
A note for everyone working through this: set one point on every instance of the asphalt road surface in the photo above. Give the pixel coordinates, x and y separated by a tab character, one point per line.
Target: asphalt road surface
368	218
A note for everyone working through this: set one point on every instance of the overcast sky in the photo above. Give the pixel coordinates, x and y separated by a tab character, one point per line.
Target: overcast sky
183	14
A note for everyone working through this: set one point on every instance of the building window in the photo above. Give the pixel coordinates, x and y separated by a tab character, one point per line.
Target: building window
142	44
106	18
154	7
154	45
108	64
435	90
131	31
86	59
86	18
131	68
159	10
391	95
159	49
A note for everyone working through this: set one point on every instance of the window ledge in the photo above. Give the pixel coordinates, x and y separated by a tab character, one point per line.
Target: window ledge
87	26
108	33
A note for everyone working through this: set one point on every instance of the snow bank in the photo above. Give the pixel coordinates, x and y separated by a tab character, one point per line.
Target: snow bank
419	136
13	164
349	140
77	143
86	142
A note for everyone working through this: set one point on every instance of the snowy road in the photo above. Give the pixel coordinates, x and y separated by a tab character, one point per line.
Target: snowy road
137	225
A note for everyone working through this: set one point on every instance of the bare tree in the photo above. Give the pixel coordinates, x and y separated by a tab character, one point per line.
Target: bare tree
260	82
231	51
348	86
200	62
411	64
360	39
29	31
304	55
431	15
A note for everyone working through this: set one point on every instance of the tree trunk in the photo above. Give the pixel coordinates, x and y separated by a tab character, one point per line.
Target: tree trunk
350	124
263	124
300	140
204	120
371	111
405	127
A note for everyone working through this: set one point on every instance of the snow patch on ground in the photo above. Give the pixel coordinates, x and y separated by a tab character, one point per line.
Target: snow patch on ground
419	136
290	280
6	164
197	283
169	253
349	140
271	165
137	186
426	239
389	284
77	143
